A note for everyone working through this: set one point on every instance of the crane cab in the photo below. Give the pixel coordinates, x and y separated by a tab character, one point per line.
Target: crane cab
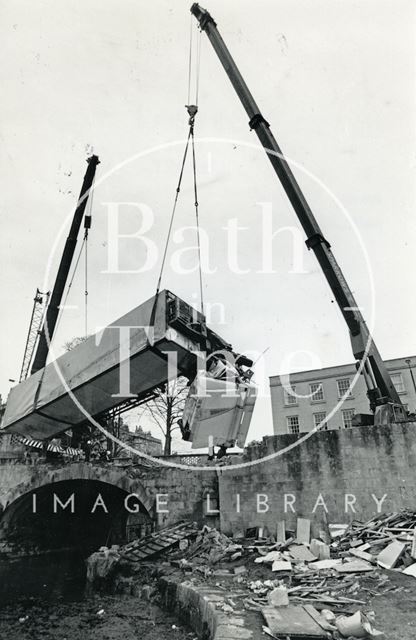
218	411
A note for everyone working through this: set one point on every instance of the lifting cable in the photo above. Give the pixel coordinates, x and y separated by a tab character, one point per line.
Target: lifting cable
62	305
87	227
196	204
192	110
84	245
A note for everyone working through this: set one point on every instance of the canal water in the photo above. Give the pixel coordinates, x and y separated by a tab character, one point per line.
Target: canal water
43	598
59	573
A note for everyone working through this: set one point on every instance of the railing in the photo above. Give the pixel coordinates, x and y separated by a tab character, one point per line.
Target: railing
186	459
12	457
196	459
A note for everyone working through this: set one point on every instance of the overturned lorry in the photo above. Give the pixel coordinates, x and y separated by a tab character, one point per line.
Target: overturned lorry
126	361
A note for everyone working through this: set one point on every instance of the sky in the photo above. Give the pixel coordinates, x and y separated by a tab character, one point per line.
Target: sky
336	81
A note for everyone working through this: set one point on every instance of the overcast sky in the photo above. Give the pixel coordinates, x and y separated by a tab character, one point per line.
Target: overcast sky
336	80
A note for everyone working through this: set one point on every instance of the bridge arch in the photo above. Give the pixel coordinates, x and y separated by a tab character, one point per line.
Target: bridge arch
39	477
96	513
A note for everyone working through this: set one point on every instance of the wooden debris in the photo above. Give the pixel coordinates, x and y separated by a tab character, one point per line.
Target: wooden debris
157	542
318	617
363	555
382	528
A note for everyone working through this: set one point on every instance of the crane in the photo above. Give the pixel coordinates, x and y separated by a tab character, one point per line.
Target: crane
52	311
40	302
384	399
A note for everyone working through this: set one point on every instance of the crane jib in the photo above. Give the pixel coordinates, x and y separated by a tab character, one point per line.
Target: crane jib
361	340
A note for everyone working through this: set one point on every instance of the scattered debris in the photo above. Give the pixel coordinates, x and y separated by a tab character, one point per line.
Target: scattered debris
281	565
101	564
292	620
317	587
320	550
157	542
278	597
354	566
303	531
301	553
210	547
411	570
389	557
240	570
337	530
281	531
357	626
388	539
329	563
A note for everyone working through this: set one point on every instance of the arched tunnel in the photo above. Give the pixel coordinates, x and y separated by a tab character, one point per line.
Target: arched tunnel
74	514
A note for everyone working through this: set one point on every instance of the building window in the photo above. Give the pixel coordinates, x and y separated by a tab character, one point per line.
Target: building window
344	388
316	391
347	416
318	419
397	380
290	398
293	424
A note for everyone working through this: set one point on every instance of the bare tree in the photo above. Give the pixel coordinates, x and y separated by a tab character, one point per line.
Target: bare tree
167	407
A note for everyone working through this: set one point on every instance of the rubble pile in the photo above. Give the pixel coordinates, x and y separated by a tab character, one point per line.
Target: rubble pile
157	542
209	548
101	563
302	587
310	586
388	540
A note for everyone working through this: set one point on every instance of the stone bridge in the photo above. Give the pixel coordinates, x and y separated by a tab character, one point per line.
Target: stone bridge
65	504
333	476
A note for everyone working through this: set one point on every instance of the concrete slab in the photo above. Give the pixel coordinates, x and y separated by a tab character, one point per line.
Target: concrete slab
303	531
292	621
389	557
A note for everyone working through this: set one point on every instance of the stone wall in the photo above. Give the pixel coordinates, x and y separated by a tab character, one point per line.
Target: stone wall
333	467
344	471
184	492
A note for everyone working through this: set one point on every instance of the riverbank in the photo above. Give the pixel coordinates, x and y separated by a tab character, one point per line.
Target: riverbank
96	617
